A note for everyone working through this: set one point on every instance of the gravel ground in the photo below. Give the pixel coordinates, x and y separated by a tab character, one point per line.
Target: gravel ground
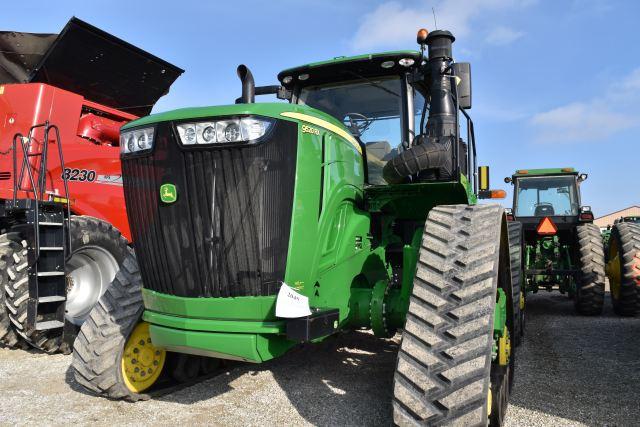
571	371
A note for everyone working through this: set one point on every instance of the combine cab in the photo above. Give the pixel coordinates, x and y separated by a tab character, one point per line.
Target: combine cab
261	226
562	246
63	99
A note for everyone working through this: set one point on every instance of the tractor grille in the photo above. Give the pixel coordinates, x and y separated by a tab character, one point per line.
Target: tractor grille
5	176
227	234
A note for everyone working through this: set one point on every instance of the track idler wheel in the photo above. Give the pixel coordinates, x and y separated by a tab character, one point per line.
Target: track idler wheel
141	361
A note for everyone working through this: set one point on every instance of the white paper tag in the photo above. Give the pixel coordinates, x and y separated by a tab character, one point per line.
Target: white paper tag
290	304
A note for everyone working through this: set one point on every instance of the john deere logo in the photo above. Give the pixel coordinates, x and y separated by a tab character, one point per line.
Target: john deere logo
168	193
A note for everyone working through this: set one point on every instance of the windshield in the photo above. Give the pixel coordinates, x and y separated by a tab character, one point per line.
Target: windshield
546	196
371	110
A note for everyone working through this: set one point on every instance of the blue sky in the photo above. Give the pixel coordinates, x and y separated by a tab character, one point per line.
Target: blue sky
556	83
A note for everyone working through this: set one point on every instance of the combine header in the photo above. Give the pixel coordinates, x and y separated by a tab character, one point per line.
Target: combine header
63	99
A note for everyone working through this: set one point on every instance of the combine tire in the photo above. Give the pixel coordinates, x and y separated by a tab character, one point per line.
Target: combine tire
515	255
102	352
98	250
589	297
623	269
8	337
445	364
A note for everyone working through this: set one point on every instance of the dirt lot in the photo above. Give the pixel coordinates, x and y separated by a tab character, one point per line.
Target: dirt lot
570	371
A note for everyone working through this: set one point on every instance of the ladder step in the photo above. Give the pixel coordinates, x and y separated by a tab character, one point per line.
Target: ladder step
53	298
50	273
51	248
51	324
50	224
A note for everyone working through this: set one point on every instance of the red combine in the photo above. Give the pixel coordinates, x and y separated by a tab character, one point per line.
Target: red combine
63	226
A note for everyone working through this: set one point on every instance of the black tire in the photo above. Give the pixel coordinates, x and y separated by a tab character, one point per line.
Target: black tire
84	231
430	156
625	239
8	337
589	296
444	364
515	255
98	349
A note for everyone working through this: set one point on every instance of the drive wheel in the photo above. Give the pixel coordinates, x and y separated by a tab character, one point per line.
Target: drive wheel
98	249
589	296
515	256
447	368
623	269
113	355
8	337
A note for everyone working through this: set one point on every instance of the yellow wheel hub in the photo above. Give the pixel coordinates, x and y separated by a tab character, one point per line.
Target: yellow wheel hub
504	348
141	363
613	269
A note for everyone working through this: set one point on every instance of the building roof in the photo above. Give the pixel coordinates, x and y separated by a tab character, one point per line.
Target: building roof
608	219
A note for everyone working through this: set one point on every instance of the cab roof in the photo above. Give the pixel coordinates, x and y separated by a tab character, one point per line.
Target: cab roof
541	172
349	67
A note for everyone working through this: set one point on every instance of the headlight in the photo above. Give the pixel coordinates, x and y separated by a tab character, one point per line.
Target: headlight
136	140
245	129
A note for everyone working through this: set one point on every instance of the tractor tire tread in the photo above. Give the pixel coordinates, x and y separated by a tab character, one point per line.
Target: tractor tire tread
589	298
628	304
444	362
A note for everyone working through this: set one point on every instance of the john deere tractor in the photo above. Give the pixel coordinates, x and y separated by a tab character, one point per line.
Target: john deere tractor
562	248
259	226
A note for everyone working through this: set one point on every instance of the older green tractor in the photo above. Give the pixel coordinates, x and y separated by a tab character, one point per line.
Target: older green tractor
562	248
260	226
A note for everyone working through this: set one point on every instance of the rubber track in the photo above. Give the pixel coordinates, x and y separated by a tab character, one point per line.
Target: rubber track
515	257
7	335
444	362
589	298
629	250
98	348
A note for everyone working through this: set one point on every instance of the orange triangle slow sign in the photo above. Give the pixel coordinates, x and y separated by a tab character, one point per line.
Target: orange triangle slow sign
546	227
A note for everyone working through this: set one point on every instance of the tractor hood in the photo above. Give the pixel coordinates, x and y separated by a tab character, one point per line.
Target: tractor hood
90	62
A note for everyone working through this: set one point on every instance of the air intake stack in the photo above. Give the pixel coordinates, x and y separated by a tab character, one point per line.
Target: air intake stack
442	114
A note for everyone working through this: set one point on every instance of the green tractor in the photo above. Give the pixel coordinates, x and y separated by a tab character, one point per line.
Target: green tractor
260	226
562	248
622	250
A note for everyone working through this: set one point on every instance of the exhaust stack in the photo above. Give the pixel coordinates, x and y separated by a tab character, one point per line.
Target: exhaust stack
248	85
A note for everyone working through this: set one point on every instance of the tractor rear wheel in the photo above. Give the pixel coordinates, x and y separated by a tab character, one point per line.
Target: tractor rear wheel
515	255
623	269
589	296
98	250
8	337
103	353
447	371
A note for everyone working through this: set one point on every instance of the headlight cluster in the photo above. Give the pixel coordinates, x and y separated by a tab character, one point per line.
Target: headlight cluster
246	129
133	141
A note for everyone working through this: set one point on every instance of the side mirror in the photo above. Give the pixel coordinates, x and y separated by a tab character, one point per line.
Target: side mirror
462	70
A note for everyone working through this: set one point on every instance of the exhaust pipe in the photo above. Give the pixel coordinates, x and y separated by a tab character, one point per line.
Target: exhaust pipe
248	85
442	115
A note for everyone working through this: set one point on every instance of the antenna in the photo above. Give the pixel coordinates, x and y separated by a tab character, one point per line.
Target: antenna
435	23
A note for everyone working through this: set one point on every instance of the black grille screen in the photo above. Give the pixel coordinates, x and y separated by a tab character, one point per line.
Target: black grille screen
228	232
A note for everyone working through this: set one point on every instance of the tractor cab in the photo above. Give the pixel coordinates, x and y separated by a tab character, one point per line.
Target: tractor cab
376	97
548	193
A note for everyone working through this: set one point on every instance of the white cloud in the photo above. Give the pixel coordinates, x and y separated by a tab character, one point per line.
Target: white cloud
595	119
503	36
580	121
392	24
